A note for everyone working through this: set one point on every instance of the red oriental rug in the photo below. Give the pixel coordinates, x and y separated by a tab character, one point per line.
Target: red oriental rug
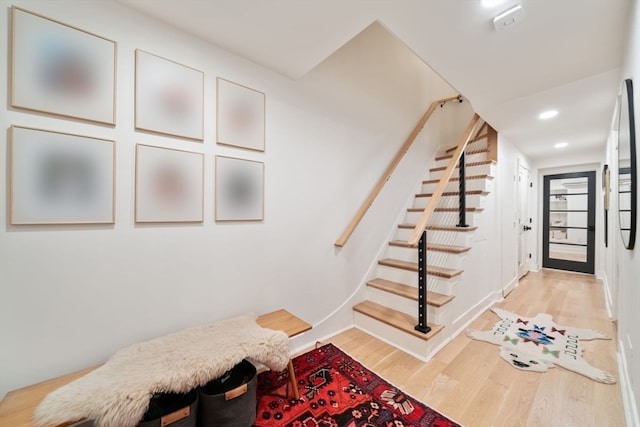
337	391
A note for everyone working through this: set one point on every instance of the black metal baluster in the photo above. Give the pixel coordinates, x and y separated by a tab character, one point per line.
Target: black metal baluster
422	285
462	197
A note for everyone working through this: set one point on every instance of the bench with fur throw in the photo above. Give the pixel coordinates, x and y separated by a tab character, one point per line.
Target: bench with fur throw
118	392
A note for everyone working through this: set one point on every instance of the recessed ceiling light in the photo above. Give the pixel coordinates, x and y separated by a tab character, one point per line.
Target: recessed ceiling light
561	145
548	114
491	3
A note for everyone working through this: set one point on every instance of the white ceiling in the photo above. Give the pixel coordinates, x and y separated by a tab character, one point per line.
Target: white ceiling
565	54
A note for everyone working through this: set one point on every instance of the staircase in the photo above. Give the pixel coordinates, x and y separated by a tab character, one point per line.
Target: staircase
390	309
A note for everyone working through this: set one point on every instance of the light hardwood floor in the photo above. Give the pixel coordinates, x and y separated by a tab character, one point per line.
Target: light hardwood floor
470	383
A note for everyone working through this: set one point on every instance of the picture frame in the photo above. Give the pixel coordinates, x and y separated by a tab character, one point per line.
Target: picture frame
60	178
169	97
239	189
169	185
61	70
240	117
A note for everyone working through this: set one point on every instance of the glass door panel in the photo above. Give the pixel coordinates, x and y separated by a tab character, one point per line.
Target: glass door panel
569	221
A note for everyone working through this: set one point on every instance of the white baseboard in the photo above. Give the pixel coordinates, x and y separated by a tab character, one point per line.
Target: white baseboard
510	286
628	397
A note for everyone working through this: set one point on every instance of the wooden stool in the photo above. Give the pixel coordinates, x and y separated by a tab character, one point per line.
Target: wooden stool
282	320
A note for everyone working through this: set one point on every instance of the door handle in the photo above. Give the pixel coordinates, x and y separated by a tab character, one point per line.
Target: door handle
526	228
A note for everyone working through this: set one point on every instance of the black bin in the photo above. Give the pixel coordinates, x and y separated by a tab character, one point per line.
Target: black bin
172	410
229	401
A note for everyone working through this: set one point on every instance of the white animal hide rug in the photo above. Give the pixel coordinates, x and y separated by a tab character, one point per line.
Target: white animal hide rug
538	343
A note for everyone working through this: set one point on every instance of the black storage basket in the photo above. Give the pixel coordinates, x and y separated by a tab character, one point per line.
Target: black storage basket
229	401
172	410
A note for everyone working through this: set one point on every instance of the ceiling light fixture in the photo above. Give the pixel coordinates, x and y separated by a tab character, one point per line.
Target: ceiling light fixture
561	145
548	114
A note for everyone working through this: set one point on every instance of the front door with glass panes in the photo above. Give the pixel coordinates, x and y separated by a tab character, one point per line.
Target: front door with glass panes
569	221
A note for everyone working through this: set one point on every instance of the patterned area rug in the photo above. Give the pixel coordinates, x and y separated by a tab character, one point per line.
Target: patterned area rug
337	391
538	343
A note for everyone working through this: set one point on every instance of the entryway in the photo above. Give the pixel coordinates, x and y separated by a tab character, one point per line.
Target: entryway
569	221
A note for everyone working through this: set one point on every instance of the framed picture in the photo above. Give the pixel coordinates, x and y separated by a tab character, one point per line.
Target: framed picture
58	178
239	189
169	97
62	70
169	185
241	112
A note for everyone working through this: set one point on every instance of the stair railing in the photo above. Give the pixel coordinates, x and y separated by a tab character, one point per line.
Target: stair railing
419	235
342	240
446	176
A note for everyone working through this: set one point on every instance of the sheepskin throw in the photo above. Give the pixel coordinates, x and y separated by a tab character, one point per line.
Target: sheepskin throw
538	343
117	393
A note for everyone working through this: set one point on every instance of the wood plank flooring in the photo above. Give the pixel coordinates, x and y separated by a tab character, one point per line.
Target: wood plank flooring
470	383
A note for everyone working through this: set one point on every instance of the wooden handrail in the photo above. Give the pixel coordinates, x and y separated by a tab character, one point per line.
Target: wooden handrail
446	176
342	240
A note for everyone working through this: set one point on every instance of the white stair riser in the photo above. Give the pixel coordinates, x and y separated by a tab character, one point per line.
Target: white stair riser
483	184
441	259
454	238
473	201
434	283
390	334
442	218
484	169
399	303
439	237
470	158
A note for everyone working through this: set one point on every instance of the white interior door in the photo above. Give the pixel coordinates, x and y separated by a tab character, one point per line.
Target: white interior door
523	220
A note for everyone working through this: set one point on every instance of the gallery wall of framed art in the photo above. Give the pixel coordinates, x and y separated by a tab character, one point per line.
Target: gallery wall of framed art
66	72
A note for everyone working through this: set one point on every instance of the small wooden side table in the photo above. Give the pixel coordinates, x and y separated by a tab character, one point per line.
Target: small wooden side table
282	320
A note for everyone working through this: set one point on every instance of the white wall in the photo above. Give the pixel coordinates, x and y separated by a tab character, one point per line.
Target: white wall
72	295
509	157
621	266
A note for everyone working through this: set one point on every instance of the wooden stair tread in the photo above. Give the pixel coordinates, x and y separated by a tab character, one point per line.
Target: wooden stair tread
411	292
456	193
440	227
468	153
470	164
396	319
435	181
433	270
431	247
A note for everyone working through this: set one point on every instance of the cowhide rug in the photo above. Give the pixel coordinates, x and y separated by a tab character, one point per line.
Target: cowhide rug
538	343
